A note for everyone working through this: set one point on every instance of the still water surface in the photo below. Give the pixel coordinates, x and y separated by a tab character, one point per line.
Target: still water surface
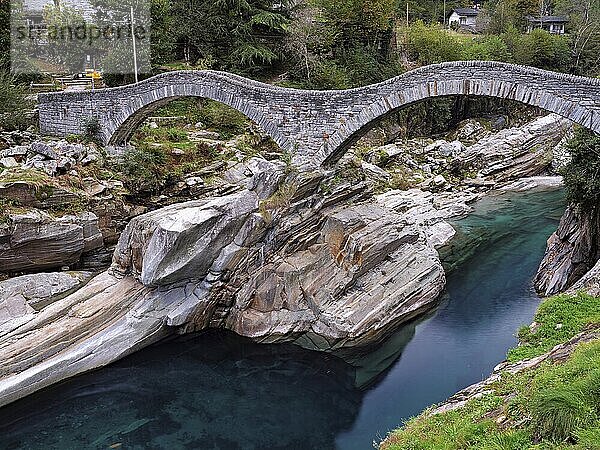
218	391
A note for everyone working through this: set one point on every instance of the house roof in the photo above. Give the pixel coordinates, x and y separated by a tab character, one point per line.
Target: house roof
548	19
466	12
36	7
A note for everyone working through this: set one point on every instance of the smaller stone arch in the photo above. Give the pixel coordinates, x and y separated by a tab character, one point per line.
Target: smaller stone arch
121	109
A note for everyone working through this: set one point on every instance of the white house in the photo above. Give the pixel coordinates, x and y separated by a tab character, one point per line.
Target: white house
463	17
552	24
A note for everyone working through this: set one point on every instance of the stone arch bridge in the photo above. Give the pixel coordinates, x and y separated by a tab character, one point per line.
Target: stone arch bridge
318	126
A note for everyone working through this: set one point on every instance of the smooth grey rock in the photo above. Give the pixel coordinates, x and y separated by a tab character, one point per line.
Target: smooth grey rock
444	149
49	167
468	131
9	162
429	211
589	283
181	241
22	296
257	174
35	240
44	149
530	183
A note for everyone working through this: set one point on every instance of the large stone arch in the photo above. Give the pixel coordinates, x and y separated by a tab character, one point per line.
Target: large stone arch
318	126
575	98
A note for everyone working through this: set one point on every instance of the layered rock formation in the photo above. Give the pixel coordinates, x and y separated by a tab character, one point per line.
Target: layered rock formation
21	297
313	258
518	152
571	252
295	266
36	240
475	156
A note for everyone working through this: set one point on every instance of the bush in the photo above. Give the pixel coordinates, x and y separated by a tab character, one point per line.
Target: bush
431	44
222	118
558	413
542	49
144	168
91	129
582	173
14	105
491	48
329	74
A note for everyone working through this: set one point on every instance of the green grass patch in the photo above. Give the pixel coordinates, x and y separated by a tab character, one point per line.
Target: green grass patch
32	176
555	406
559	318
214	116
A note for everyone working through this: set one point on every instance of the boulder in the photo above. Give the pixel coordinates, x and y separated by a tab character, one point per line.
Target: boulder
429	211
375	173
9	162
469	131
257	174
444	149
181	241
35	240
44	149
17	151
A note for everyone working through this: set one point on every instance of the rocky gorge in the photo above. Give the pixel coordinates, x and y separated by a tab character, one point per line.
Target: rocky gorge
330	260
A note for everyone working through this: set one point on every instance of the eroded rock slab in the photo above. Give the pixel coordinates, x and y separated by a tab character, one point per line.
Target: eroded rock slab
35	240
518	152
21	297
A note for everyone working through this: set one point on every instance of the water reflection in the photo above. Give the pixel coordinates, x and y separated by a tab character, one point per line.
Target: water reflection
215	390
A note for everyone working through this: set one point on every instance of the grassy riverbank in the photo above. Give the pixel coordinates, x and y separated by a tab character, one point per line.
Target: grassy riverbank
552	406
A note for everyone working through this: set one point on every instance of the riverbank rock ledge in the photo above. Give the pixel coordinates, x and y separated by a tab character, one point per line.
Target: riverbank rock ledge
35	240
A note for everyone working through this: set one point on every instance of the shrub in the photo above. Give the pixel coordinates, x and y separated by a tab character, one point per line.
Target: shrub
542	49
558	413
14	105
582	173
430	44
91	128
329	74
144	168
223	118
491	48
